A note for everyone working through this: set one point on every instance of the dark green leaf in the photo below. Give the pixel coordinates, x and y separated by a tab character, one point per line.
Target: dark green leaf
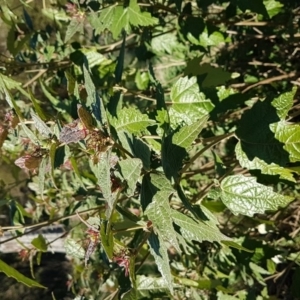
257	140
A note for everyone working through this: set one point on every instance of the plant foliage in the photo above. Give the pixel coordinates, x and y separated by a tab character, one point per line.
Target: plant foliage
165	134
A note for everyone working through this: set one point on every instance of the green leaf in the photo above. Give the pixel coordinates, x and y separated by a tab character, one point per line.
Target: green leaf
189	105
129	16
147	286
106	18
33	138
254	6
159	212
102	173
243	195
116	18
142	151
160	253
187	134
131	120
73	248
72	85
49	96
257	139
236	246
289	134
284	103
89	86
107	241
142	80
5	85
42	174
37	107
131	170
212	39
56	157
273	7
120	62
258	164
76	25
40	125
40	243
172	157
211	76
197	231
202	284
11	272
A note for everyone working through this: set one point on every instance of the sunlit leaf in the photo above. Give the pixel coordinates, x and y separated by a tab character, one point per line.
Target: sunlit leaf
284	103
197	231
189	104
40	243
243	195
159	251
289	134
131	170
187	134
131	120
160	214
11	272
258	164
40	125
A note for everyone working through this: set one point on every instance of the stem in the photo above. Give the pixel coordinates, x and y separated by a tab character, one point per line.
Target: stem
216	140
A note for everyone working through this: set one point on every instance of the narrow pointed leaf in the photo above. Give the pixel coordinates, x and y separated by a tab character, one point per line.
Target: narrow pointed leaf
107	241
40	125
11	272
42	175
